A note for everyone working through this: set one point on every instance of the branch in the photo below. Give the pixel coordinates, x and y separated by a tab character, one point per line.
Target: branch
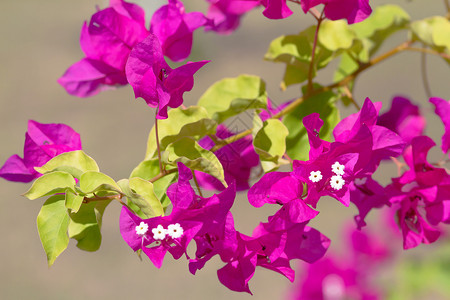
429	51
313	54
426	83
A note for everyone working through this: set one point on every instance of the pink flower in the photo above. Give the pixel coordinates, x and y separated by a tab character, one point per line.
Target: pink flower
403	118
353	10
42	142
153	80
106	42
421	196
226	14
174	29
276	9
443	111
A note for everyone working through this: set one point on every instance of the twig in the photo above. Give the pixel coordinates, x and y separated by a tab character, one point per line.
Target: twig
429	51
313	54
161	168
423	66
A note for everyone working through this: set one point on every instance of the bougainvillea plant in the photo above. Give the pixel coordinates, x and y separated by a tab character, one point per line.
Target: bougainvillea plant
293	155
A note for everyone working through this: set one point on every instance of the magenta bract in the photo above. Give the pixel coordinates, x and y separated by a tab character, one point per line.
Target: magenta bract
42	142
106	42
403	118
443	111
153	80
225	15
174	29
353	11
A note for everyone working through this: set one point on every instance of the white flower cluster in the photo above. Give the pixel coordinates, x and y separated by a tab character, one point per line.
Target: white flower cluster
159	233
336	181
173	230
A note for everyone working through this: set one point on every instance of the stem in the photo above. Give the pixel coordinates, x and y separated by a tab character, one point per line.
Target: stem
447	5
349	94
232	139
106	198
402	47
162	174
429	51
399	165
161	168
315	13
97	198
313	54
196	184
423	66
286	156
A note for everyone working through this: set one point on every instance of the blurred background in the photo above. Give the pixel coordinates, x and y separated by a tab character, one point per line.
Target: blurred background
39	41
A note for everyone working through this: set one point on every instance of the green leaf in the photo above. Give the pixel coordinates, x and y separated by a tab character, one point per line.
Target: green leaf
52	223
231	96
85	225
192	121
74	163
147	170
73	201
269	142
335	35
92	181
441	32
434	32
190	153
295	73
288	47
347	66
49	184
297	144
383	22
145	189
295	51
144	204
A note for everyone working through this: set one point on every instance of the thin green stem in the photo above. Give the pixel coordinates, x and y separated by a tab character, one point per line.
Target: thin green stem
313	54
196	184
349	94
162	174
429	51
117	197
161	167
231	139
423	66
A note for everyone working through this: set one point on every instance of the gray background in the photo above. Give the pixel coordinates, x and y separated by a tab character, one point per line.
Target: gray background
39	40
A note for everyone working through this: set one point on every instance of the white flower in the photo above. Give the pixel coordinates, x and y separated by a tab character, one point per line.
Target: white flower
315	176
337	182
159	233
175	230
141	229
337	168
